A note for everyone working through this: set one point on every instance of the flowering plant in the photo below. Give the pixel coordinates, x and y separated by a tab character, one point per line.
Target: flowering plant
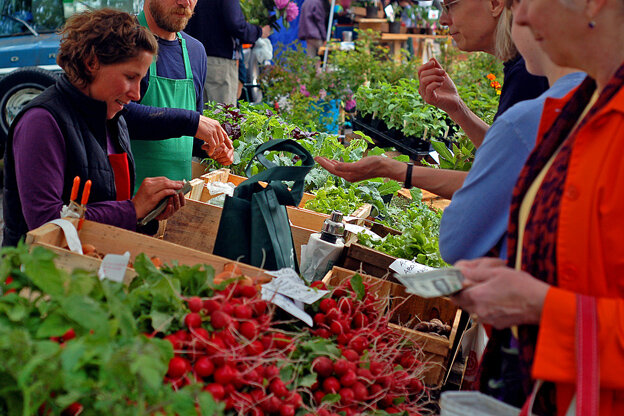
268	12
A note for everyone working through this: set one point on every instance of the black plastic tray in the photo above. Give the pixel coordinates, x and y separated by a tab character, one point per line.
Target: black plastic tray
412	147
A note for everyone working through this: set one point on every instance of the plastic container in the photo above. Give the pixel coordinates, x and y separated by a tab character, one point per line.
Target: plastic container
464	403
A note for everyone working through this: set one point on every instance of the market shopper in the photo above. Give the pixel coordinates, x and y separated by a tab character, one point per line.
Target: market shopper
175	80
566	220
76	128
478	26
313	25
219	25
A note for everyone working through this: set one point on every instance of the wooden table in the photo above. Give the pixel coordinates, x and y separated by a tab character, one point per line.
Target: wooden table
379	24
397	40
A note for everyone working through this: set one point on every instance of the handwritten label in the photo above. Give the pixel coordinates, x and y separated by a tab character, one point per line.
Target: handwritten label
295	289
286	304
403	266
71	235
114	266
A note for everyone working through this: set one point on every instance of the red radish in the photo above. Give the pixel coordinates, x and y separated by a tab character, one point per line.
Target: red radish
327	304
323	366
259	307
345	305
336	328
342	366
270	372
319	285
254	348
295	400
195	304
351	355
228	307
248	291
318	396
178	366
346	395
319	319
359	344
193	320
359	320
287	410
323	333
365	374
360	393
278	388
69	334
333	314
243	312
376	368
220	319
215	345
331	385
348	379
211	305
416	385
249	330
374	390
204	367
73	409
271	405
225	375
175	341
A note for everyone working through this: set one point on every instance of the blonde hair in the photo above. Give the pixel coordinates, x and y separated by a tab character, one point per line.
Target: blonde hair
505	49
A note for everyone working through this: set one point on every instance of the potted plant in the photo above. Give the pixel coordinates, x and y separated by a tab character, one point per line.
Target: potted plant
394	17
371	8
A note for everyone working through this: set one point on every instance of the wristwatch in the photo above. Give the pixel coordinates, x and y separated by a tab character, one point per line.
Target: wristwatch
407	183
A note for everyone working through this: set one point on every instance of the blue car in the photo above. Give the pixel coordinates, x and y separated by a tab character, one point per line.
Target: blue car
28	45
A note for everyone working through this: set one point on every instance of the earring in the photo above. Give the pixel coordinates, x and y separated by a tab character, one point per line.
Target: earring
591	24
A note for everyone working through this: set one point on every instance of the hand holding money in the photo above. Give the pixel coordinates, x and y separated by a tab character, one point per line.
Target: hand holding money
434	283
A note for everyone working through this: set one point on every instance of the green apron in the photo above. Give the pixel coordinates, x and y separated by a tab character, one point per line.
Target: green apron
170	157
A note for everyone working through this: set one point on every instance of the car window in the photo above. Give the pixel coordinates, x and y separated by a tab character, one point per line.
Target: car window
27	17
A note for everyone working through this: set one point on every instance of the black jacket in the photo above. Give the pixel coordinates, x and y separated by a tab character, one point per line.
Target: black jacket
218	23
83	123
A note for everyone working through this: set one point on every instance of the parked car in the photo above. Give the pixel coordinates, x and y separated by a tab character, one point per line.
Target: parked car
28	45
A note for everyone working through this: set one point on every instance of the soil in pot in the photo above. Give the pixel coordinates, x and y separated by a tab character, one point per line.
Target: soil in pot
371	12
394	27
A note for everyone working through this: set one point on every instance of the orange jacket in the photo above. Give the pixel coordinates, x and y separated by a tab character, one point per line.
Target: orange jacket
590	257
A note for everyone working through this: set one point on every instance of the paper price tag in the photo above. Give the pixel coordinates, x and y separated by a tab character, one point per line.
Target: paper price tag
286	304
294	290
71	235
114	266
403	266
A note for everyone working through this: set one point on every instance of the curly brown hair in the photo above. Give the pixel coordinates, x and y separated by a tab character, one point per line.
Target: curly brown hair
111	36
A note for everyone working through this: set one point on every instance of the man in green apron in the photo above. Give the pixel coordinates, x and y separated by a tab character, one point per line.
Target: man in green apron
175	80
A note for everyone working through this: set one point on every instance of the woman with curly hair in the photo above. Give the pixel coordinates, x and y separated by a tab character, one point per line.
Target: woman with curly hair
77	128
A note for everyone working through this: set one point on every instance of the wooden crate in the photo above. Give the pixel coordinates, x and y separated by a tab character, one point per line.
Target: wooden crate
196	225
367	260
112	240
407	311
431	199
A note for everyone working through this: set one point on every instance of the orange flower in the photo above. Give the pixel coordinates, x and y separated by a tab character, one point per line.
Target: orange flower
498	92
495	84
491	77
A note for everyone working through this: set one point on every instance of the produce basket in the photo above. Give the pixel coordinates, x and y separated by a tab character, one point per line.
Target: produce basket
407	312
368	260
113	240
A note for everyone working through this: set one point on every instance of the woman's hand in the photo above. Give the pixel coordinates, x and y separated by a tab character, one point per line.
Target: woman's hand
437	88
211	132
152	191
366	168
498	295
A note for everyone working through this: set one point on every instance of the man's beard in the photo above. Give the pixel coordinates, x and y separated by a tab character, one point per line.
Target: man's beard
168	19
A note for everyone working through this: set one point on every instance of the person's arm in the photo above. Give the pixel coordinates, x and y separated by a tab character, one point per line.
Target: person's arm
155	123
38	142
476	220
441	182
236	24
438	89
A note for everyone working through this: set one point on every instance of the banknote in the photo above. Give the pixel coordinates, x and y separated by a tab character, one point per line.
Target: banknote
434	283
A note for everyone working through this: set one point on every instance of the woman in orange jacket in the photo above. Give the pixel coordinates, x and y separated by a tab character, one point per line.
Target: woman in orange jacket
567	220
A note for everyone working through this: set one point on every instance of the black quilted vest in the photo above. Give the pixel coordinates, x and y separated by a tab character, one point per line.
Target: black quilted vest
83	123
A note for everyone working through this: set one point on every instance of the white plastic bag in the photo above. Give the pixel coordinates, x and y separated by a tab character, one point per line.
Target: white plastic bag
263	50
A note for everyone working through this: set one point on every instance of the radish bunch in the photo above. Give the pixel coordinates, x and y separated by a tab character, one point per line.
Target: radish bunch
235	359
232	344
378	369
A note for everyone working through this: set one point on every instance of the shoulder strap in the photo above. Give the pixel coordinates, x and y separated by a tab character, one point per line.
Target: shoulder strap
276	174
587	361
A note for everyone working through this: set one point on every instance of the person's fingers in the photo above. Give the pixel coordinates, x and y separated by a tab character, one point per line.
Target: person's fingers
210	150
